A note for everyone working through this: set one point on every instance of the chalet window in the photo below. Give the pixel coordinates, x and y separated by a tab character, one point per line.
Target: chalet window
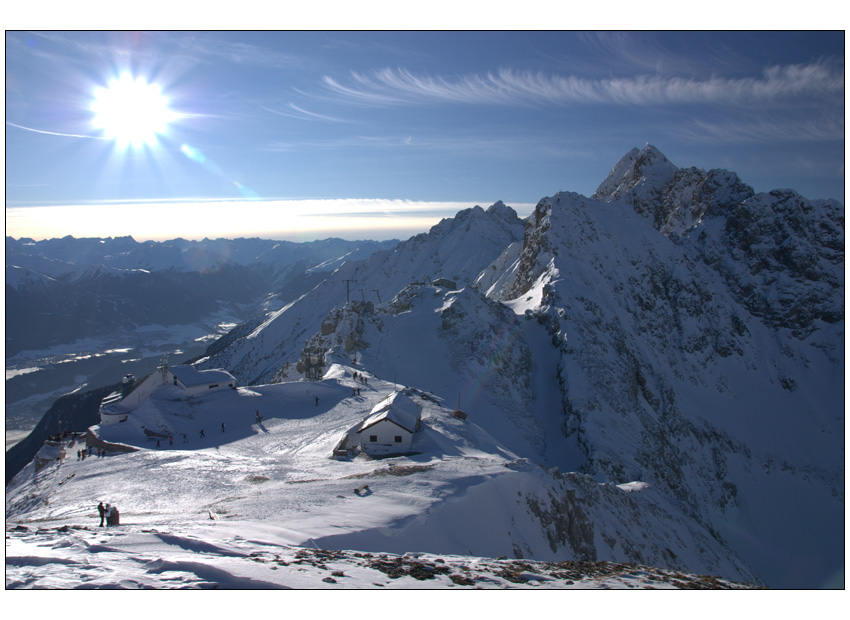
373	438
398	438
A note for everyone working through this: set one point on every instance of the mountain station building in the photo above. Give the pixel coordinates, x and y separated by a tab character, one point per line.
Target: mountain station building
119	404
390	427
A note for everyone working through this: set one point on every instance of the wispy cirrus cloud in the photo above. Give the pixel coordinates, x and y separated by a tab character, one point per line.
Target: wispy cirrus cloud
604	51
221	49
765	129
498	146
510	87
56	133
293	111
156	48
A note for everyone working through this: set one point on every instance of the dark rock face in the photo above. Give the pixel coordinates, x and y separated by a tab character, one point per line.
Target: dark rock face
565	524
782	256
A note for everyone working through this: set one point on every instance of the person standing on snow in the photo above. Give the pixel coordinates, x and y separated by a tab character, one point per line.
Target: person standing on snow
102	512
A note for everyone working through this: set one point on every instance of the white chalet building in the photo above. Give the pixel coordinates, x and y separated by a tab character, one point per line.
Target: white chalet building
119	404
390	427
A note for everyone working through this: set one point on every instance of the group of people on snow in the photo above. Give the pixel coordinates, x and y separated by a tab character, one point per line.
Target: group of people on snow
108	513
171	439
82	454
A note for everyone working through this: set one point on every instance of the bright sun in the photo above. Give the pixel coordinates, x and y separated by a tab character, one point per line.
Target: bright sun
131	111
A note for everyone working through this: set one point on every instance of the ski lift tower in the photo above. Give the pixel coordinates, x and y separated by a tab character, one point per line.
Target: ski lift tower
348	290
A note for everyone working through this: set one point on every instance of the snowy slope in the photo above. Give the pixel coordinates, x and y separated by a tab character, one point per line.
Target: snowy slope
274	483
219	556
457	248
464	347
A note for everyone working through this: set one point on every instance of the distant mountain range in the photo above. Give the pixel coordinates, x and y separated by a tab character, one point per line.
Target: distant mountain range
62	290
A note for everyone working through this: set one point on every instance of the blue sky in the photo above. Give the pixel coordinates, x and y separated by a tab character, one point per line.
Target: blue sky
354	134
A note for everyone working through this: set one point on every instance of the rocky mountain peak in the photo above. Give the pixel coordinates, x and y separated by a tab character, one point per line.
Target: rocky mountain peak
674	199
500	210
637	173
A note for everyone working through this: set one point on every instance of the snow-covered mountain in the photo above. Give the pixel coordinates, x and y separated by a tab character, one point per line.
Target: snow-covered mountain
677	329
707	360
673	199
457	249
651	375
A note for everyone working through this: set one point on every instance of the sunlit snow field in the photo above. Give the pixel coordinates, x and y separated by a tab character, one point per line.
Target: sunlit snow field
259	505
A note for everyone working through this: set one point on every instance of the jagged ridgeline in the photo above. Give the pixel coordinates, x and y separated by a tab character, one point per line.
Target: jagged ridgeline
660	366
694	336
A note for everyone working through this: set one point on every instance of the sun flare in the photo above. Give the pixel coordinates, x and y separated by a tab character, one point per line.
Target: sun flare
131	111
